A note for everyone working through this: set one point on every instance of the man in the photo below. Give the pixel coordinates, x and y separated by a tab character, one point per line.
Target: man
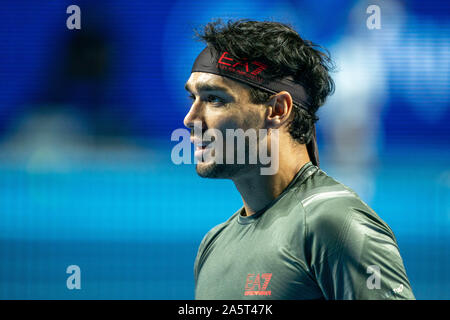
300	234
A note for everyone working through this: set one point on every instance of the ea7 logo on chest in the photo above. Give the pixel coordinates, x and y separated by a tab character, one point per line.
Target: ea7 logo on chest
256	284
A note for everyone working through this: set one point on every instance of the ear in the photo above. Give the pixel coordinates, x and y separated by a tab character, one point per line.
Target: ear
279	110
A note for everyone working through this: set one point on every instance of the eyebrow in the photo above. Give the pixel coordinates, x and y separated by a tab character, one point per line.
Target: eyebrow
207	87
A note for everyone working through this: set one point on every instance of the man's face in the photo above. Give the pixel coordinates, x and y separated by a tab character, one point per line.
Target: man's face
220	103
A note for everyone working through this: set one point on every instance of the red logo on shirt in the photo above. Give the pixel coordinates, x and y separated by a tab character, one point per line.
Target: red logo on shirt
256	284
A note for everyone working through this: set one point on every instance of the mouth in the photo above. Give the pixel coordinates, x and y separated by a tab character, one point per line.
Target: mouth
200	149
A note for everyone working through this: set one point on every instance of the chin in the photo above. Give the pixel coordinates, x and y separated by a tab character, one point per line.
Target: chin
210	170
221	171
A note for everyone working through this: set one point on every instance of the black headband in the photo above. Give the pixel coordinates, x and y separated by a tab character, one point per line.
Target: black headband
254	73
251	72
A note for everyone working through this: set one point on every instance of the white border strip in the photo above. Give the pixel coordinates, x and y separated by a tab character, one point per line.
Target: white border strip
325	195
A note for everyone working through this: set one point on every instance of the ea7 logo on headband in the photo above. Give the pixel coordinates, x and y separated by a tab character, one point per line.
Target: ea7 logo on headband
242	67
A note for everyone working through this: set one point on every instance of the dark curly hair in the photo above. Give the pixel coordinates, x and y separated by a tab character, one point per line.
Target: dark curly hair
287	54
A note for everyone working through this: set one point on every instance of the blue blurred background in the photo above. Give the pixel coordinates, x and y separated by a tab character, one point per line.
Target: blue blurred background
86	117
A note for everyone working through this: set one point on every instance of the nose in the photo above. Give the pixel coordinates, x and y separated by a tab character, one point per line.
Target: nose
194	115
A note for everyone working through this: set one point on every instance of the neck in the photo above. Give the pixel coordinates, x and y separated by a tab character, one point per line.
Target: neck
258	190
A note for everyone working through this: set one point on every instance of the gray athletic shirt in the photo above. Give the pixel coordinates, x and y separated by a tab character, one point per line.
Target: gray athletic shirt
316	240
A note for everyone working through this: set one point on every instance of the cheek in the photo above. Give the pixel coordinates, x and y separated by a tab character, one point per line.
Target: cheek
234	117
252	118
222	119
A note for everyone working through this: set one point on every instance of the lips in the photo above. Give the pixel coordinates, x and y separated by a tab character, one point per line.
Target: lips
200	148
201	145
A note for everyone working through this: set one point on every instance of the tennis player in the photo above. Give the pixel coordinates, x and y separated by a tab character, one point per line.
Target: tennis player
300	234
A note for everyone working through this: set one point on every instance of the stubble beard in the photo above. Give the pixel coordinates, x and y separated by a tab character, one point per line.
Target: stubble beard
214	170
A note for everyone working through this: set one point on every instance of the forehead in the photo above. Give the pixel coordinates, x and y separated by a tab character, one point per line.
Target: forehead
199	80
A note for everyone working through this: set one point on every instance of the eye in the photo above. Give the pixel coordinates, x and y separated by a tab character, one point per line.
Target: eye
214	99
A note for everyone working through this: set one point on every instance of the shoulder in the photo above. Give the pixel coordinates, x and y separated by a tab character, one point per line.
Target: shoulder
206	242
327	202
215	231
336	217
